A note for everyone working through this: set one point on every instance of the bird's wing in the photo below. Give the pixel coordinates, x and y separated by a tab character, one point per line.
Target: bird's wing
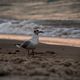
25	44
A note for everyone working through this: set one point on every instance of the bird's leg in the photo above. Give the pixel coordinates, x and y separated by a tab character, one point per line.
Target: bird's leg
28	51
32	51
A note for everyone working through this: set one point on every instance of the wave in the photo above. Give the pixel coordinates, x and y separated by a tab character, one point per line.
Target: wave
25	27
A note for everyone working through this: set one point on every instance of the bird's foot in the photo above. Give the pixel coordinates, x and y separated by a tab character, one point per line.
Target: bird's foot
32	53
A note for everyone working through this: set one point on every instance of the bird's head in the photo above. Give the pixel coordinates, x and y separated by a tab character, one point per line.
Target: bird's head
36	31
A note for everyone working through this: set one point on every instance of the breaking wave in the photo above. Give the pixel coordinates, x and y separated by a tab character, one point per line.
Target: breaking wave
25	27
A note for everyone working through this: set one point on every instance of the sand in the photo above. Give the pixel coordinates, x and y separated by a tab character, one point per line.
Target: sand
52	61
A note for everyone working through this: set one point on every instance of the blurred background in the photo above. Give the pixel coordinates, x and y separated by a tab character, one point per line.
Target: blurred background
58	18
40	9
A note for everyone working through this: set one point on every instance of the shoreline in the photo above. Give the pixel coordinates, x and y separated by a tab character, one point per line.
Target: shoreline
46	40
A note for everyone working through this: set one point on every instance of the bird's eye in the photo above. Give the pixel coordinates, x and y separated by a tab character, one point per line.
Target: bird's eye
36	31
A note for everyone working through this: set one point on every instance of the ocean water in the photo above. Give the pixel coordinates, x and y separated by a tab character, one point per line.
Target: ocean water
25	27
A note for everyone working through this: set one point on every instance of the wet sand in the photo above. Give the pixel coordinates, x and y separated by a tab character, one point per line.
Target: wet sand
50	62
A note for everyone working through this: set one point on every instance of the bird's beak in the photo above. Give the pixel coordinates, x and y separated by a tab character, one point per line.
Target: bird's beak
41	32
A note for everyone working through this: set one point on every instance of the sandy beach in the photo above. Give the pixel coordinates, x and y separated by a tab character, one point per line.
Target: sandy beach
56	57
58	60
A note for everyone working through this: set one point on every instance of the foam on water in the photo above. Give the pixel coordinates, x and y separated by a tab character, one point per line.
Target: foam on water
26	27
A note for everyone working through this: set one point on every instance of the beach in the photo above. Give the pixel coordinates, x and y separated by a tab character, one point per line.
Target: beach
54	59
57	56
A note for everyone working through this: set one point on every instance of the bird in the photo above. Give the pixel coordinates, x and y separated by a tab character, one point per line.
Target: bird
32	43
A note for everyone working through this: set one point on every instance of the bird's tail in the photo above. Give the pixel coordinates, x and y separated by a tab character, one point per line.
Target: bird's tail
18	45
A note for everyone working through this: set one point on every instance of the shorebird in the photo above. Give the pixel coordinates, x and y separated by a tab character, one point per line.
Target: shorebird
32	43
